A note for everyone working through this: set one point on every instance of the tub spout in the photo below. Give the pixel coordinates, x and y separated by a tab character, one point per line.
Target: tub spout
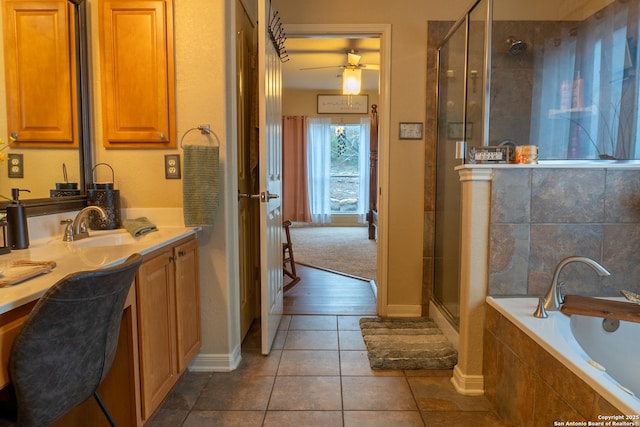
554	296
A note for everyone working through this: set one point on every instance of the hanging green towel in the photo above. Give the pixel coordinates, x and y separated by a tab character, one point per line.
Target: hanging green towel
139	226
201	185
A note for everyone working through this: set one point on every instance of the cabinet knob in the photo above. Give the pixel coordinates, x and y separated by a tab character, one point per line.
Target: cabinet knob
173	258
13	136
182	252
161	135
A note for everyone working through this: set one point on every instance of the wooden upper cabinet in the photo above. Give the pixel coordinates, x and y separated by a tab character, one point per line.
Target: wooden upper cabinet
40	68
137	67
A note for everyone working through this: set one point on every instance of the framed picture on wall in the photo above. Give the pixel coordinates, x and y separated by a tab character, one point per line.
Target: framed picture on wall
343	104
410	130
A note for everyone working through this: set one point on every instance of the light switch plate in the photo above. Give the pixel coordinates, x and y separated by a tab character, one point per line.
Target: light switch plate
172	166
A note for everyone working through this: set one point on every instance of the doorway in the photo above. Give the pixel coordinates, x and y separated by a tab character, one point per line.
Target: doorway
250	289
327	192
312	34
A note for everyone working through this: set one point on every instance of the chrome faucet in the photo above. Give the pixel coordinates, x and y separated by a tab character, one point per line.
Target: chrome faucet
78	227
554	298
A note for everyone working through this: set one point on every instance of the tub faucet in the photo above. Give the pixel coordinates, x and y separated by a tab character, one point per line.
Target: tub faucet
554	298
79	226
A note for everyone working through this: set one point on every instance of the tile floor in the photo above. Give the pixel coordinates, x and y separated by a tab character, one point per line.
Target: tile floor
318	375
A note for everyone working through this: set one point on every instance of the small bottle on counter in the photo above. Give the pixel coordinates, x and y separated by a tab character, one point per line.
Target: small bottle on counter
17	230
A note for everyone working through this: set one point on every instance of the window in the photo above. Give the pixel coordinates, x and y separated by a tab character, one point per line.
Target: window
338	168
592	66
344	177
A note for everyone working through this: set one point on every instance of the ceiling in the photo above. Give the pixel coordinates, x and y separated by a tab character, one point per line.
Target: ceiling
311	52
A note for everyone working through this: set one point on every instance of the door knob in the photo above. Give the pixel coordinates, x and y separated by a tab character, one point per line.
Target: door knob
263	196
247	196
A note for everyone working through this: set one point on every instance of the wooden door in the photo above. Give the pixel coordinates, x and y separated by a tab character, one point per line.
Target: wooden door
40	73
270	136
247	208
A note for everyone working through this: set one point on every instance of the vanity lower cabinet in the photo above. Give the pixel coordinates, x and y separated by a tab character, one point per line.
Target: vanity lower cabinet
168	320
10	324
187	303
159	336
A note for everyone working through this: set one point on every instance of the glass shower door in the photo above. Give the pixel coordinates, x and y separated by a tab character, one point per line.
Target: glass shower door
462	88
451	97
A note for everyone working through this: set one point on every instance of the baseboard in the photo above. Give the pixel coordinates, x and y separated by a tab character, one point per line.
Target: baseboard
445	326
468	385
396	310
216	362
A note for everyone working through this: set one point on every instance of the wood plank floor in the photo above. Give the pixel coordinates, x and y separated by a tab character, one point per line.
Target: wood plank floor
329	293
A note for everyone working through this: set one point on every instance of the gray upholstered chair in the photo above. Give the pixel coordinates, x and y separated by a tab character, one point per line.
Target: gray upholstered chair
67	344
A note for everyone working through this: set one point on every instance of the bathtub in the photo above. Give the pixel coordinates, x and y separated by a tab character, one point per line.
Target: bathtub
608	362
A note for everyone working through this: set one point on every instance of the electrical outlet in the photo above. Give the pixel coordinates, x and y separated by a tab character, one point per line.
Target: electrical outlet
172	166
16	166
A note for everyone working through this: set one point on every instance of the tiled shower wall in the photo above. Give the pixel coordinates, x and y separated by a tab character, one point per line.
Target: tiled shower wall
539	216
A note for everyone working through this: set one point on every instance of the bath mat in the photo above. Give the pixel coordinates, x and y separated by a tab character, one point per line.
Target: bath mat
406	343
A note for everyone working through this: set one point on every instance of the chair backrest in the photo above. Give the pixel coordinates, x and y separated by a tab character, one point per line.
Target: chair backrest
67	344
287	234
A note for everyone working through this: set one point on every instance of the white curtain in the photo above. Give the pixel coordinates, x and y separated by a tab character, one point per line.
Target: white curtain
557	68
363	156
319	168
600	54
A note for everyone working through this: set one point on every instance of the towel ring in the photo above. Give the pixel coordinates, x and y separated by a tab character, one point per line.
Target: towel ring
204	130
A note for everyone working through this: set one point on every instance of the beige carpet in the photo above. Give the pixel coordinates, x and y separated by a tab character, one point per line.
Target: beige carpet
406	343
344	249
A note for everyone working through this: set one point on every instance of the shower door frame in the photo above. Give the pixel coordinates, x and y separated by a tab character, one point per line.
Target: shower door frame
464	21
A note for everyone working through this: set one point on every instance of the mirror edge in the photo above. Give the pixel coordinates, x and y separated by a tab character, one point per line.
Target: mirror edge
46	206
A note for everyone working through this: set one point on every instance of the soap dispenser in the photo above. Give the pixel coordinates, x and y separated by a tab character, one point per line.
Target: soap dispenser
18	232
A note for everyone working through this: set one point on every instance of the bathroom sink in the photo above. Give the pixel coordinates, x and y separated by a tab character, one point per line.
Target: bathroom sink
114	239
99	239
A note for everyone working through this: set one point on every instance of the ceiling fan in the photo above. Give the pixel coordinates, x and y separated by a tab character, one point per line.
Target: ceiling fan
353	63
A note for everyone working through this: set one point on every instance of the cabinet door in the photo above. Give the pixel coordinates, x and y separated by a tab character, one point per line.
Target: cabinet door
137	73
40	73
8	335
187	302
10	324
156	330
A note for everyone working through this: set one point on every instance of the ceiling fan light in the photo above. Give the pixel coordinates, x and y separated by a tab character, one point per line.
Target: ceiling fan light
351	81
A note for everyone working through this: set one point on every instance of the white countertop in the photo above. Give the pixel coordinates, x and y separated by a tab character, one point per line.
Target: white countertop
71	258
